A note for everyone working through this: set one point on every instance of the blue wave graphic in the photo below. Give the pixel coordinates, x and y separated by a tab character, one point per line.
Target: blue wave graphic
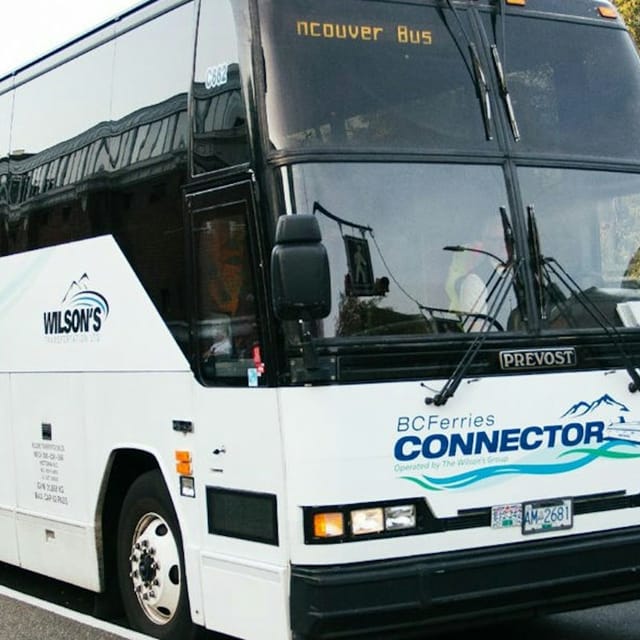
607	449
89	298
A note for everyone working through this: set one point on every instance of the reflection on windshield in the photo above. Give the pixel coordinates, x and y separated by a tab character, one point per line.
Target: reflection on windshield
419	249
415	249
589	225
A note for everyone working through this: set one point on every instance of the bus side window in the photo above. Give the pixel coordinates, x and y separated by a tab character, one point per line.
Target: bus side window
226	329
219	129
6	100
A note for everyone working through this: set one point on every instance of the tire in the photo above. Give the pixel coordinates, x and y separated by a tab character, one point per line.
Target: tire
151	562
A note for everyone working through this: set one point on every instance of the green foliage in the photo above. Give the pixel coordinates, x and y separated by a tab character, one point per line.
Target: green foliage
630	11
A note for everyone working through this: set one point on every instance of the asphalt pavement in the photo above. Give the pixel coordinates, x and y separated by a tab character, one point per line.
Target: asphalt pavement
24	617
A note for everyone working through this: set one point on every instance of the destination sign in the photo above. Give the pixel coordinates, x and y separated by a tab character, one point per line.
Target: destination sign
400	33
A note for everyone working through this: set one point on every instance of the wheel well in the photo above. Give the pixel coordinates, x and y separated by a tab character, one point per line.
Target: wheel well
124	467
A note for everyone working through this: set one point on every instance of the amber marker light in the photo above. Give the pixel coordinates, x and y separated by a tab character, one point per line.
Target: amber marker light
607	12
328	525
183	463
519	3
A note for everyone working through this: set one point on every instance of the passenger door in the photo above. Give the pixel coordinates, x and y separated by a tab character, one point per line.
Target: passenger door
226	336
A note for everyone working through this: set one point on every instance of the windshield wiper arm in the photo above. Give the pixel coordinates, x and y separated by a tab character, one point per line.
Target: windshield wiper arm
483	90
510	274
504	92
476	70
509	243
535	258
546	267
552	266
501	290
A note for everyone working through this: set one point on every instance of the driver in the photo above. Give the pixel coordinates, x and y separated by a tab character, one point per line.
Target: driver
471	273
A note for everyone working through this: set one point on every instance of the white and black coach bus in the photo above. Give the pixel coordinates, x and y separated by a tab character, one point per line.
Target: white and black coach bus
321	318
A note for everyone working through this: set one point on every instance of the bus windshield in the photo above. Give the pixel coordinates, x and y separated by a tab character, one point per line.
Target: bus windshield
434	231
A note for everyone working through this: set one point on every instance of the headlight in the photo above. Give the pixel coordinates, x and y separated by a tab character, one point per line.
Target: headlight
402	516
345	523
364	521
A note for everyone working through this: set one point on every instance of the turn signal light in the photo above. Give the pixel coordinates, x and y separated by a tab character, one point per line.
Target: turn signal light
328	525
183	463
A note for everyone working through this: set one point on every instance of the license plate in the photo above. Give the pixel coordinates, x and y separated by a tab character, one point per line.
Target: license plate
547	515
506	515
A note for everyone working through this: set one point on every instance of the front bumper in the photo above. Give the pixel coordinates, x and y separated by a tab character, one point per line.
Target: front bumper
402	598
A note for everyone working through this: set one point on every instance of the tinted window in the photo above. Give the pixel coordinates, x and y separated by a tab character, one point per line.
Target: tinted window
219	115
100	147
577	93
58	139
226	330
153	63
5	121
65	102
149	130
367	75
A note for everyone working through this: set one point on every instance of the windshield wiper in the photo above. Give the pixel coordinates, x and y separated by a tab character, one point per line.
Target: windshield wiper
509	243
508	274
499	67
504	92
535	258
477	72
501	290
483	90
545	267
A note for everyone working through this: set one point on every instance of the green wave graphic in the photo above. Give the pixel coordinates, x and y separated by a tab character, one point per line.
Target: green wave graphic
586	457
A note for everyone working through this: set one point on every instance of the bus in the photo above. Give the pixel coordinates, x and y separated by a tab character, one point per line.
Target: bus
321	318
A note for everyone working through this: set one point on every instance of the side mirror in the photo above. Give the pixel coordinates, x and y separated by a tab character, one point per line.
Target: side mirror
300	279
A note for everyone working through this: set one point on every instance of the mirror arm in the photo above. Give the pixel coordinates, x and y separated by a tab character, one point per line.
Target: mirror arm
309	355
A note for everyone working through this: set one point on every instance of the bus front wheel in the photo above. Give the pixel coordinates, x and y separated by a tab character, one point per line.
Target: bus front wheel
150	562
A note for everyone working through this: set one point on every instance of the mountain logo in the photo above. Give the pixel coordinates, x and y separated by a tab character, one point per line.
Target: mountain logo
82	310
583	408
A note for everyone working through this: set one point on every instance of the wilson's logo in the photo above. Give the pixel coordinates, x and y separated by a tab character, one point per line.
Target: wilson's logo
82	310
